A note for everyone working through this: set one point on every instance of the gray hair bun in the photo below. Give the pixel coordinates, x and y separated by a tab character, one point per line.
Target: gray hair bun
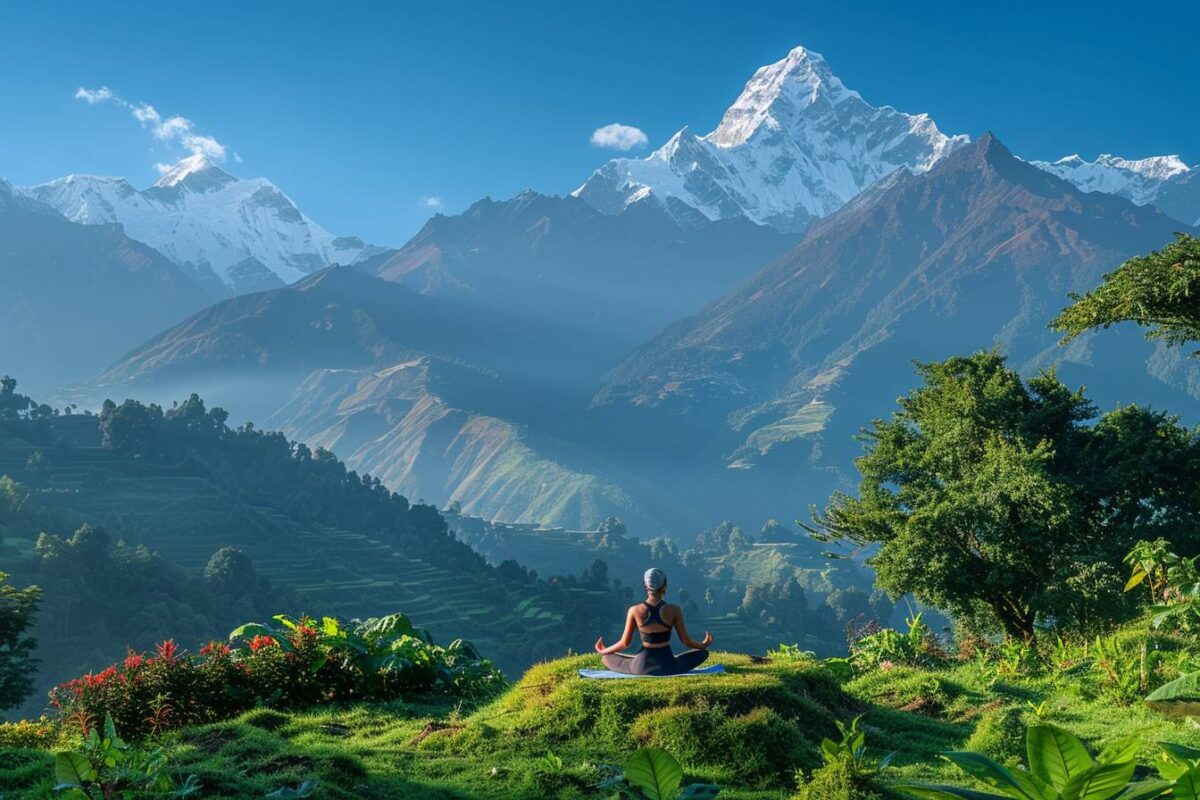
654	579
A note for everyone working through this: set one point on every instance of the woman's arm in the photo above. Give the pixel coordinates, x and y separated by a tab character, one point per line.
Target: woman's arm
688	641
623	642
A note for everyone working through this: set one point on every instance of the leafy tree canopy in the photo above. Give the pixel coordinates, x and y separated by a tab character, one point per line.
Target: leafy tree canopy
1159	291
1006	503
17	664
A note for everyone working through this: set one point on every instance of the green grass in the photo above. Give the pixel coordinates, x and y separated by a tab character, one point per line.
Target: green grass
749	730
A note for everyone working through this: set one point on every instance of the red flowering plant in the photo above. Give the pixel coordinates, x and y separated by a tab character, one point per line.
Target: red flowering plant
291	664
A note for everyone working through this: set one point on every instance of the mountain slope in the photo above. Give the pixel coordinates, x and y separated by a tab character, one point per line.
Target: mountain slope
441	400
979	251
795	146
74	297
1163	181
558	258
415	427
205	219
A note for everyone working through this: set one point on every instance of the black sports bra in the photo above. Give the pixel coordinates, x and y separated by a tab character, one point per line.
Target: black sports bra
654	618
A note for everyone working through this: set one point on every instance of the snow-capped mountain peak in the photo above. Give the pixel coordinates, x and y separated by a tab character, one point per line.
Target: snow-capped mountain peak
795	145
222	228
190	168
777	94
1164	181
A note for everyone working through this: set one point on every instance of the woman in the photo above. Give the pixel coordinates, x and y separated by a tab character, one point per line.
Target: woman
654	620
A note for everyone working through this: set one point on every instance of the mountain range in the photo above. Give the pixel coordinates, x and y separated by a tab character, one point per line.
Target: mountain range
234	234
1163	181
690	336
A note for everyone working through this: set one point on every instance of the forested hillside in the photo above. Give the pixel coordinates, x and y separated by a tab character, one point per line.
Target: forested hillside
127	519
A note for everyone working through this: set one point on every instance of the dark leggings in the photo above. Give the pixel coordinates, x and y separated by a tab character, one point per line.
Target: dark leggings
655	661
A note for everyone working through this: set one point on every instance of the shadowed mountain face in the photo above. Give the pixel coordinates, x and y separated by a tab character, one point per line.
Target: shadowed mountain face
440	400
74	297
559	259
979	251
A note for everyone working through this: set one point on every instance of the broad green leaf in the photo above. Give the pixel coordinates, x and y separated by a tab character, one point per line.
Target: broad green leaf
698	791
995	775
1187	785
654	771
1055	756
72	769
1138	576
1101	782
938	791
1180	697
1145	790
1181	751
1121	751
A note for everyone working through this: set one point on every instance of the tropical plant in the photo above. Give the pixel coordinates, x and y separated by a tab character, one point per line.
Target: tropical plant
1150	562
105	766
654	774
791	652
887	647
852	748
1061	768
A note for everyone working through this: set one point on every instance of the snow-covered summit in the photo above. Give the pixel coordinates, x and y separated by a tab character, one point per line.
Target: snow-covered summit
1140	181
796	145
209	221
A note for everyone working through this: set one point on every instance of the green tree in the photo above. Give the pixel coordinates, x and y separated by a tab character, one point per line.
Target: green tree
993	499
1159	291
17	663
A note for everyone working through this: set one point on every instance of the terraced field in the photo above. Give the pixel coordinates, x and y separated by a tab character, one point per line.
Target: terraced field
186	518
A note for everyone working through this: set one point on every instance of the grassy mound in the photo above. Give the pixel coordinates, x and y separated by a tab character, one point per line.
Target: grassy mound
752	726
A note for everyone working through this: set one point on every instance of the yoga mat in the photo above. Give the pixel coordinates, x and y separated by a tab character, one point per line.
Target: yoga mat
605	674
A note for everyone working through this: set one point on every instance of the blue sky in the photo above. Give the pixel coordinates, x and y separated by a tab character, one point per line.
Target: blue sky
362	111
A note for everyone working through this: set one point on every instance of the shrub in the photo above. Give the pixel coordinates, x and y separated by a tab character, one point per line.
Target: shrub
836	780
294	664
885	648
32	734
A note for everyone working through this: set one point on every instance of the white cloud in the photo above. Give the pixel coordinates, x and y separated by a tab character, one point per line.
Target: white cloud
619	137
175	129
433	202
93	96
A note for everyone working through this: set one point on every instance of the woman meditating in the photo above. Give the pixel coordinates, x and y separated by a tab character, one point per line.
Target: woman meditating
654	620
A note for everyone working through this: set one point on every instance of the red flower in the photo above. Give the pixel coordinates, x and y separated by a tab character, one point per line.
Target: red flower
261	642
215	649
134	661
166	650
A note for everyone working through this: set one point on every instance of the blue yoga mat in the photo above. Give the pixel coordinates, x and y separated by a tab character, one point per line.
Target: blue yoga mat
604	674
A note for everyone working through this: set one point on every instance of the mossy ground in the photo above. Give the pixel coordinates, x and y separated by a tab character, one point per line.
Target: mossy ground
749	730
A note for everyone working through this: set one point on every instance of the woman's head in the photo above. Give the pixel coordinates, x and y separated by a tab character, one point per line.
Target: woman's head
655	581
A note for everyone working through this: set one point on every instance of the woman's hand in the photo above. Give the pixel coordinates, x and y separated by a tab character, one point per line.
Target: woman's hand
600	647
706	641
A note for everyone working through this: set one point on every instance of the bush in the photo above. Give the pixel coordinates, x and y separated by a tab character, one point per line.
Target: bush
294	665
30	734
836	780
886	648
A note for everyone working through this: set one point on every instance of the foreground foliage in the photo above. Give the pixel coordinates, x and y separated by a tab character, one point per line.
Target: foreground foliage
293	664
